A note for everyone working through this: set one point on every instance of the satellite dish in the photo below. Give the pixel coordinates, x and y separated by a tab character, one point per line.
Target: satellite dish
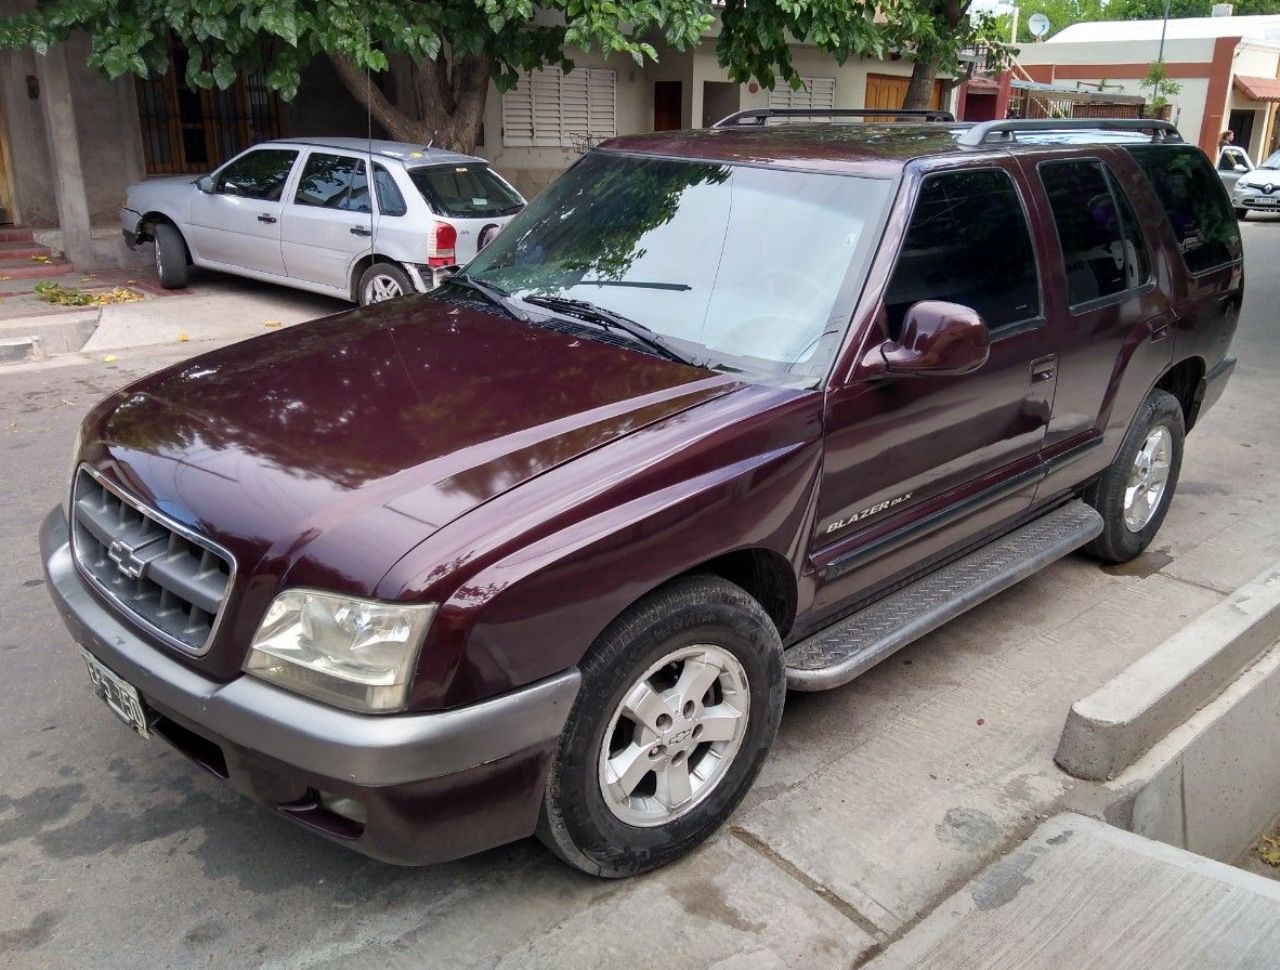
1038	24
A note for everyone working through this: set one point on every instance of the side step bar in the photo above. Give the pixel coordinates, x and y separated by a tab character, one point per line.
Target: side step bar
841	652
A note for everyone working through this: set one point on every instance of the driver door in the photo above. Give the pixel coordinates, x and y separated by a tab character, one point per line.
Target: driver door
915	465
238	222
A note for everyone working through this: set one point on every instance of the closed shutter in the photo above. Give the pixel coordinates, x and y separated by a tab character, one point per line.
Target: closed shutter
818	92
550	109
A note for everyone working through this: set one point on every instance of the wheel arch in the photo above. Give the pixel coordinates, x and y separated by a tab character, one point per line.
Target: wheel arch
767	576
154	217
361	264
1182	380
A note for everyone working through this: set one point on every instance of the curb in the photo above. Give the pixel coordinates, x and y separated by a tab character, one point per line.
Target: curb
1108	731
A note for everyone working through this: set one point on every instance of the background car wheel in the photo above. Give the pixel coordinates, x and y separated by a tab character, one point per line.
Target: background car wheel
680	701
1133	494
171	256
382	282
1242	214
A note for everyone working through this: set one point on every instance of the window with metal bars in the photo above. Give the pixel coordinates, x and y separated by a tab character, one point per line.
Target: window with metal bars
191	131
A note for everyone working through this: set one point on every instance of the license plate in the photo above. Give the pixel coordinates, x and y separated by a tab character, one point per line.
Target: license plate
120	695
1263	200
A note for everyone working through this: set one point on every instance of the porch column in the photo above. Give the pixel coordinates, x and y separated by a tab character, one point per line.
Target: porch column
64	151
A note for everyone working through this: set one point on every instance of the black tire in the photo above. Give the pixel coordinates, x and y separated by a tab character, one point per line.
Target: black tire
365	288
171	256
1242	214
576	823
1119	542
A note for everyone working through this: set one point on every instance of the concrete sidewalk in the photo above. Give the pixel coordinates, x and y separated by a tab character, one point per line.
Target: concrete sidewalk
1081	895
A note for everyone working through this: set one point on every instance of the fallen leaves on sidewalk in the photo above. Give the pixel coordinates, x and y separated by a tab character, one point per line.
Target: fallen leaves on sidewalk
109	359
1268	850
183	338
272	324
68	296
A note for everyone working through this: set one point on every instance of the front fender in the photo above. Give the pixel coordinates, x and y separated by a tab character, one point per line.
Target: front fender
528	581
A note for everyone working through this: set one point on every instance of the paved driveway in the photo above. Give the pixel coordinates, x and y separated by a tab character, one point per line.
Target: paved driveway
878	800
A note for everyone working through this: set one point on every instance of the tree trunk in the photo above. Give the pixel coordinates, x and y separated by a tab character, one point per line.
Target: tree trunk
920	89
451	94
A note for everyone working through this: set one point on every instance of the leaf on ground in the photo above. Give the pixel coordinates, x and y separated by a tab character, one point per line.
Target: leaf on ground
109	359
272	324
1269	850
6	278
183	338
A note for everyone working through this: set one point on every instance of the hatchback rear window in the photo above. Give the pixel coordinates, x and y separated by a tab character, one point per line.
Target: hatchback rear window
1195	202
465	191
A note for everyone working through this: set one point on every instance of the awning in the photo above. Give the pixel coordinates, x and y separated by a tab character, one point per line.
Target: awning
1258	88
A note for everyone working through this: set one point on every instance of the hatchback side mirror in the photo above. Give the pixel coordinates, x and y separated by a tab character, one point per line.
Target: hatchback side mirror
205	184
938	339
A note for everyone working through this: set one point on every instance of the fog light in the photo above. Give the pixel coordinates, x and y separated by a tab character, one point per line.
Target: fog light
349	808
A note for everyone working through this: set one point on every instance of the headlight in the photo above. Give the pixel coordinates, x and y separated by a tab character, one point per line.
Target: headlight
353	653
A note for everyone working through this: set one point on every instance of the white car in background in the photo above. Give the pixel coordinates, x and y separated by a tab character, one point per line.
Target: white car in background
300	212
1258	190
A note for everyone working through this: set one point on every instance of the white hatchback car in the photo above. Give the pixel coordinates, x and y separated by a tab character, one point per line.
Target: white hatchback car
1258	190
300	212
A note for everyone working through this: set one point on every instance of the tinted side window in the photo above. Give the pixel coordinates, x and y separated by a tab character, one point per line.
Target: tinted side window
1102	250
259	175
967	243
390	200
333	182
1195	202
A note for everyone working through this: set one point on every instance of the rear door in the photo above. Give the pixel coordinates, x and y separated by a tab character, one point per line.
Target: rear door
470	197
238	223
328	223
915	465
1112	303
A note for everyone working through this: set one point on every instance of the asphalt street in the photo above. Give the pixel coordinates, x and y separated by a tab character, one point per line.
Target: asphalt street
118	853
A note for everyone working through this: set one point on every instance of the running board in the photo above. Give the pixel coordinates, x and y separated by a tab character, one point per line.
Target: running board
840	653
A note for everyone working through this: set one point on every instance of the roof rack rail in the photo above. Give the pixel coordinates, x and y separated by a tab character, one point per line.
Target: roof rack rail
1007	130
758	116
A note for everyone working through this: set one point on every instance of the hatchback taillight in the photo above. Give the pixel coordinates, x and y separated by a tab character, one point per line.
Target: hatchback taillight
442	253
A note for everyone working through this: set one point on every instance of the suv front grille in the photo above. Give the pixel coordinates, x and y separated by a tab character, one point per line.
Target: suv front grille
171	580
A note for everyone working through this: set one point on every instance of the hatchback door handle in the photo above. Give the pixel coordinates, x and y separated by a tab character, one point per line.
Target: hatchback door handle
361	231
1044	368
266	218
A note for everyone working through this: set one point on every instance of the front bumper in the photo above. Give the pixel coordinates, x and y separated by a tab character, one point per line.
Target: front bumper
130	222
433	787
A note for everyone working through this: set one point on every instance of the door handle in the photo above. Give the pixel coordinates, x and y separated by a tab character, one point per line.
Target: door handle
1044	369
361	231
266	218
1159	328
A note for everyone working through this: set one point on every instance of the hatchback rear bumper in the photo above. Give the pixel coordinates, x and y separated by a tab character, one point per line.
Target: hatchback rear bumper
411	788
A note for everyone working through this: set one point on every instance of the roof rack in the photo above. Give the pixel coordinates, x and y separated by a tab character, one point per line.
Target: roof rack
1007	130
758	116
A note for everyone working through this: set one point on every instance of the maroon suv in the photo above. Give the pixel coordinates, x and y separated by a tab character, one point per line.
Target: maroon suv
722	412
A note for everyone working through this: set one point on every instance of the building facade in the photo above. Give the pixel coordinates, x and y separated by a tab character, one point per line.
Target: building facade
71	140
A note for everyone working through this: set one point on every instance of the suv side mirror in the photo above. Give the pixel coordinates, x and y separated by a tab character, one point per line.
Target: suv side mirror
205	184
938	339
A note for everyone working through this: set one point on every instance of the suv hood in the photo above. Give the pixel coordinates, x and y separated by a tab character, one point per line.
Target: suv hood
319	455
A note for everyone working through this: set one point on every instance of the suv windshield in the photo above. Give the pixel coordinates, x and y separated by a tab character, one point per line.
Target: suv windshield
748	266
465	191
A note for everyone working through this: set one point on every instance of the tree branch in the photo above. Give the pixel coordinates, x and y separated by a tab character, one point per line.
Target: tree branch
397	124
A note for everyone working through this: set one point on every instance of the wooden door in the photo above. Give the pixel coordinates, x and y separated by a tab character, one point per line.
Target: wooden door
667	103
889	90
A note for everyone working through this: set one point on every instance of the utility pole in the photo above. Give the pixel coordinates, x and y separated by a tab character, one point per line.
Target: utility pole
1163	27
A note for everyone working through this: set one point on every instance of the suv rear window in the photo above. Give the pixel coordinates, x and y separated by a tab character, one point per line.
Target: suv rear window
1195	202
465	191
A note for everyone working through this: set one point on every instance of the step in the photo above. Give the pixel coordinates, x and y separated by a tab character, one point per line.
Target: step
21	249
27	270
840	653
15	234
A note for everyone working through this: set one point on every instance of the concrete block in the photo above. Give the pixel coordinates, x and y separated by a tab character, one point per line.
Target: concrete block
1112	727
1081	894
17	350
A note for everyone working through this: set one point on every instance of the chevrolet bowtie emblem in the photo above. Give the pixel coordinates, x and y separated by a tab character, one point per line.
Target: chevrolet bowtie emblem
131	561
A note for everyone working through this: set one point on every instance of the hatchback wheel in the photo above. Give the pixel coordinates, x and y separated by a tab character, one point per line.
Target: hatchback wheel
382	282
170	256
1133	494
680	701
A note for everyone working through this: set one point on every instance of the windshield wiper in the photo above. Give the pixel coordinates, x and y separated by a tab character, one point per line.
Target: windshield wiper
494	294
590	313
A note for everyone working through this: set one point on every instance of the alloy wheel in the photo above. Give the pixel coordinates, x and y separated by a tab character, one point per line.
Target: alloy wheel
380	288
674	735
1148	478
